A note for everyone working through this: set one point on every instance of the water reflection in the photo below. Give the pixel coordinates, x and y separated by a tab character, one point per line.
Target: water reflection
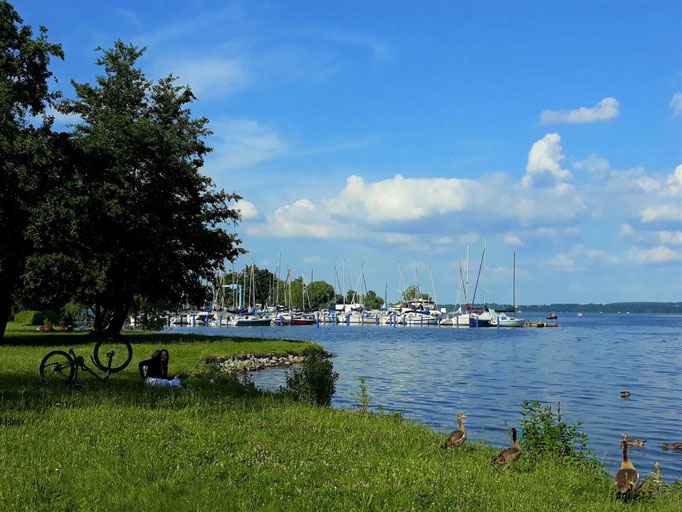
431	373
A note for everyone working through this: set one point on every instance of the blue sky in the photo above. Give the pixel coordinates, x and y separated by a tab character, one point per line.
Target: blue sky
390	132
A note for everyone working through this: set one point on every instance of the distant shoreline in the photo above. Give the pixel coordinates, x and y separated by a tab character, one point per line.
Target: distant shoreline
613	307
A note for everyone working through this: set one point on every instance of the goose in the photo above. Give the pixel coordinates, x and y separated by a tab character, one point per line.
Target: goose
672	446
457	437
627	479
509	455
633	442
625	394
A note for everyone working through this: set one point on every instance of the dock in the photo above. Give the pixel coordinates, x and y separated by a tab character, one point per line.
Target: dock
540	323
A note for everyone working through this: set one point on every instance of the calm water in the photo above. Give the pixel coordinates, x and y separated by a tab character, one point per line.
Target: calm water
431	373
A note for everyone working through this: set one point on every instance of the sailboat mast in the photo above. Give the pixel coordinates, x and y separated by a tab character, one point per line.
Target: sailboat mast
514	285
466	293
485	271
343	280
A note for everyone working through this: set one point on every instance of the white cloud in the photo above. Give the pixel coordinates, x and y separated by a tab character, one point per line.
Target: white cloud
579	257
543	162
658	254
209	77
670	212
313	260
606	109
402	199
594	164
247	209
242	142
668	237
513	240
302	219
676	104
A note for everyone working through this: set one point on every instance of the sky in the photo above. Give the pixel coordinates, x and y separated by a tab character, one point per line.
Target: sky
394	134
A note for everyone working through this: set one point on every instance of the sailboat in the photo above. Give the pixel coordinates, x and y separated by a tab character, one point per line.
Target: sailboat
510	321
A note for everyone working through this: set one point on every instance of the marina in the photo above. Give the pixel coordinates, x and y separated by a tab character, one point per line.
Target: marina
431	374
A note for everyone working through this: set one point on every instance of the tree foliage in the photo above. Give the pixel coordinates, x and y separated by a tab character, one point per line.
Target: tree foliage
412	293
372	301
24	148
147	222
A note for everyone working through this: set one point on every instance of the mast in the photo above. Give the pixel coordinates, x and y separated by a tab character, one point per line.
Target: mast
401	281
514	285
343	280
386	295
416	277
485	271
433	287
466	291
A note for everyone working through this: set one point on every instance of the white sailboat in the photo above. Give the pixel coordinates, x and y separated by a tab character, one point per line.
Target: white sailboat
503	320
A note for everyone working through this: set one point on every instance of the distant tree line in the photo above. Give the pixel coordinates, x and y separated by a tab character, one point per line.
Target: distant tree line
263	287
114	214
613	307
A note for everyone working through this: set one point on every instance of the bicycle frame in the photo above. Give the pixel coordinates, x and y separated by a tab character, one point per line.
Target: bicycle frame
79	362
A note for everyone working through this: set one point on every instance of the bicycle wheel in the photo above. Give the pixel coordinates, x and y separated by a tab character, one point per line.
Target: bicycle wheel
57	366
121	354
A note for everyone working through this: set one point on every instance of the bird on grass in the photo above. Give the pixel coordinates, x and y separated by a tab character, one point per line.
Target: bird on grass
633	442
457	437
627	479
672	446
652	483
508	455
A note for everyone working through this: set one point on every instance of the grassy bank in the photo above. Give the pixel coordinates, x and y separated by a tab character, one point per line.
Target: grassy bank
223	446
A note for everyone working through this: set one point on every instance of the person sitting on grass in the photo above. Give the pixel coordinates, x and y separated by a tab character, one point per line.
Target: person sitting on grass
154	370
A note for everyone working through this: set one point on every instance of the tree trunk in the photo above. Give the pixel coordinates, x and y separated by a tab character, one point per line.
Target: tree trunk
117	320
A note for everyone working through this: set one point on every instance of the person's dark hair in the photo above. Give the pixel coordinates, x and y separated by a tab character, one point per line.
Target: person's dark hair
164	364
155	355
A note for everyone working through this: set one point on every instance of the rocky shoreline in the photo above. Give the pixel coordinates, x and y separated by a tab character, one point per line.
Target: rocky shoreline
252	362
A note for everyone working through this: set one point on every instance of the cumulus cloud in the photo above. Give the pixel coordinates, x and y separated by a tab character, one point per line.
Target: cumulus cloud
402	199
606	109
513	240
665	236
247	209
302	219
543	162
579	257
594	164
676	104
658	254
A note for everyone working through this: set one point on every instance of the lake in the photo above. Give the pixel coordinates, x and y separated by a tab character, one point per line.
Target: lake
429	374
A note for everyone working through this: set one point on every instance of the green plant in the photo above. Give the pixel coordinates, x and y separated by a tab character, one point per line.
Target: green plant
314	383
362	397
546	434
73	312
44	317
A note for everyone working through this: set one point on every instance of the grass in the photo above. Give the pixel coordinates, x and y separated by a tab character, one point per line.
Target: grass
222	445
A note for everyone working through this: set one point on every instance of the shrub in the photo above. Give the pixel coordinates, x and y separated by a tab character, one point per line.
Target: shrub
73	312
362	398
546	434
46	316
314	383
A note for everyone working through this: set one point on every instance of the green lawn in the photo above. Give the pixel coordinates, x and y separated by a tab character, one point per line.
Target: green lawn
220	445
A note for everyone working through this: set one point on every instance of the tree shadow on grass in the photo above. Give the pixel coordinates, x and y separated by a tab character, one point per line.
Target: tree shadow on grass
27	392
50	339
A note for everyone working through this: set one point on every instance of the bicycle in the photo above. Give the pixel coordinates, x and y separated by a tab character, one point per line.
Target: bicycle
60	366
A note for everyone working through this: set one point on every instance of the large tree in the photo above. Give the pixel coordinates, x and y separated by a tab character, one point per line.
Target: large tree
24	148
151	224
